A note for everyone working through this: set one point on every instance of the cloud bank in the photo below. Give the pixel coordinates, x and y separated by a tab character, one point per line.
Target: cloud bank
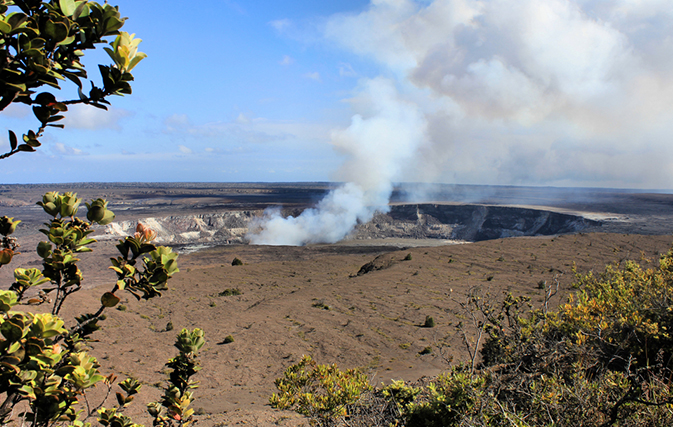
551	92
542	92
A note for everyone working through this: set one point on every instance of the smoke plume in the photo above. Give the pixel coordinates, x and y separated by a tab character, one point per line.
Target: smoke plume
516	92
378	143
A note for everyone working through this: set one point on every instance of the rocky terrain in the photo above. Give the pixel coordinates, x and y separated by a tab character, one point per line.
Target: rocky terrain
446	222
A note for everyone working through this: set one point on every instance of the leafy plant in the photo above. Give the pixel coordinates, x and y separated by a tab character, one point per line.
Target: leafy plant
230	292
173	408
41	45
45	365
322	392
403	395
45	369
429	322
603	358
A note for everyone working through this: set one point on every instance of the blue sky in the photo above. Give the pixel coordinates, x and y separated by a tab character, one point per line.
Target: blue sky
513	92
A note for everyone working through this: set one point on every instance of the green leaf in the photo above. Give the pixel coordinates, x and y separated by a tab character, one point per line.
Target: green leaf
18	86
66	41
82	10
7	300
13	347
113	24
45	98
68	7
12	140
55	118
109	299
139	57
56	30
16	19
12	329
5	28
25	147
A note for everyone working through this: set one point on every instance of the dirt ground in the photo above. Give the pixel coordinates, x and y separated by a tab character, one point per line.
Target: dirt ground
310	300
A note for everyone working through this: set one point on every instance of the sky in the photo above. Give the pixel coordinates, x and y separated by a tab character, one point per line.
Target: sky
496	92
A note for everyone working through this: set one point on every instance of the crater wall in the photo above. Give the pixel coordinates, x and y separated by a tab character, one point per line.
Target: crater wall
411	221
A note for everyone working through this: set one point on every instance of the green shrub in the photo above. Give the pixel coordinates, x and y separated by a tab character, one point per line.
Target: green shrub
425	350
45	366
402	394
408	257
236	261
228	339
320	304
447	400
45	369
321	392
603	358
177	397
43	43
230	292
429	322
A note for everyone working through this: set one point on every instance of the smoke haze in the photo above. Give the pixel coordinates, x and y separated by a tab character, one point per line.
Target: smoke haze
517	92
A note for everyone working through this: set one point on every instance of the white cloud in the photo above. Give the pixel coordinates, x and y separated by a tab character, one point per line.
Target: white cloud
346	70
287	60
92	118
176	121
185	150
62	149
244	131
313	76
242	119
17	111
281	25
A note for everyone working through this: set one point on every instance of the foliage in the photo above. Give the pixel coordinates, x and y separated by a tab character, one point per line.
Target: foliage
230	292
236	262
447	399
429	322
173	408
42	43
321	392
401	394
45	369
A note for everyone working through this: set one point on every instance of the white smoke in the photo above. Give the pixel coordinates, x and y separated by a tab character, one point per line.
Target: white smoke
551	92
377	144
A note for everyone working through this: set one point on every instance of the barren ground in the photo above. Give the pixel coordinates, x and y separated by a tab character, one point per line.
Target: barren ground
310	300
